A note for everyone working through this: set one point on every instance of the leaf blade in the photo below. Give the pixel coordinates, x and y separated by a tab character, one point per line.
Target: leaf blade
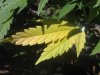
41	5
80	41
51	51
6	11
96	49
60	47
66	9
42	34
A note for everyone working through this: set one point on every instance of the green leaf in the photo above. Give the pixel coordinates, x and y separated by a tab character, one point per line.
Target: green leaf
5	27
97	4
96	49
93	14
80	5
7	9
41	5
66	9
55	49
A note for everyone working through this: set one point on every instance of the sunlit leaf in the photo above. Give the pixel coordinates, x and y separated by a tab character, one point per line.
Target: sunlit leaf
60	47
59	36
43	34
80	42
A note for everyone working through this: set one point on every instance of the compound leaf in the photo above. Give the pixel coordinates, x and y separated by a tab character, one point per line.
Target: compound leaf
59	37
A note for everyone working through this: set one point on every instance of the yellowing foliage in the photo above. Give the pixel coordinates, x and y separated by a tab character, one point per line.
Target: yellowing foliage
59	36
42	34
60	47
80	42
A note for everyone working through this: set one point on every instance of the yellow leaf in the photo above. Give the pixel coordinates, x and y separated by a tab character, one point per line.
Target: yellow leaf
80	41
49	32
55	49
59	36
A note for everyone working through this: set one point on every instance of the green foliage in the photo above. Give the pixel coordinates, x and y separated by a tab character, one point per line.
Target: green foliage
94	12
97	3
7	9
66	9
87	10
97	49
41	5
4	27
